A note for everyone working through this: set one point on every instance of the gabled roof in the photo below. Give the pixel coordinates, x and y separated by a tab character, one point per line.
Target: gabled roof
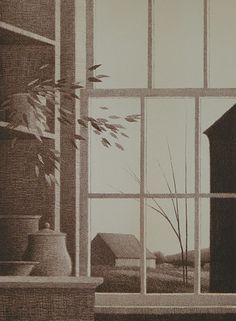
224	127
124	245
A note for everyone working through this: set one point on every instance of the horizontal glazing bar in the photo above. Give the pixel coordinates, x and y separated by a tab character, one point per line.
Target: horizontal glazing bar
178	195
166	92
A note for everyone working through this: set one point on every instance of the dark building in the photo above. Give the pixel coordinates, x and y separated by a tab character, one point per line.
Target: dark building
222	138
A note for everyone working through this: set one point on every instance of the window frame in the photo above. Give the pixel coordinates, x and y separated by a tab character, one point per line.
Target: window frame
143	302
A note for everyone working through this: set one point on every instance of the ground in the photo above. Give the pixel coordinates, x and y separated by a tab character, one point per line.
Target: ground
166	278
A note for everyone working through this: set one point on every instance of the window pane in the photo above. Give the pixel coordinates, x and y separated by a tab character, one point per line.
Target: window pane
217	145
169	122
178	44
218	235
167	276
120	42
112	169
115	247
222	44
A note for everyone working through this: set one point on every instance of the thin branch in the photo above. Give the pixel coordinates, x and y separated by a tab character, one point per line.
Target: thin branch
186	202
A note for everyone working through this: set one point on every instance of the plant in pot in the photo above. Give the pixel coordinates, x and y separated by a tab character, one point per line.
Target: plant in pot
35	109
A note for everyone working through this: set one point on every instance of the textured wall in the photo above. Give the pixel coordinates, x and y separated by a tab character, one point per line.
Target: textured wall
46	305
33	15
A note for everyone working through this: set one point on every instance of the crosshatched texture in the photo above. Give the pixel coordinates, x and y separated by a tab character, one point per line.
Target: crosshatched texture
35	15
46	304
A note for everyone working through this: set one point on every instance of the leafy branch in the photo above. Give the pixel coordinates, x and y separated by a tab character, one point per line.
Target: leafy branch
43	95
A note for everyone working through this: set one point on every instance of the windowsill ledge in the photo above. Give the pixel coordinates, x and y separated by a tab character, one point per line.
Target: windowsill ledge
49	282
146	310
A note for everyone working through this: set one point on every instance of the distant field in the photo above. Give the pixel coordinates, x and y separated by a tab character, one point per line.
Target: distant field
166	278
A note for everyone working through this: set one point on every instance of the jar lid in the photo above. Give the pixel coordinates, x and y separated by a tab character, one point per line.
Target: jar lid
48	232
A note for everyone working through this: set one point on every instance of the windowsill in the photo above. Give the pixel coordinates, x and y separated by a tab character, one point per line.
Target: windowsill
49	282
112	303
150	310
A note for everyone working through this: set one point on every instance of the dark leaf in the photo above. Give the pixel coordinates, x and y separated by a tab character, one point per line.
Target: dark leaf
135	116
119	126
66	111
76	87
94	67
74	96
82	123
123	134
67	96
130	119
103	107
111	127
119	146
94	79
97	132
102	120
102	76
105	142
63	121
113	135
89	118
62	80
74	143
96	126
67	120
79	137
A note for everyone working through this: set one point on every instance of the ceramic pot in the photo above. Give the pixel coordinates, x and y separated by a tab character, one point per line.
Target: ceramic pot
23	113
14	230
49	248
19	268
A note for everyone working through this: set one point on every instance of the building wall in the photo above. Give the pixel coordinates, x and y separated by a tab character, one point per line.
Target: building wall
222	216
101	253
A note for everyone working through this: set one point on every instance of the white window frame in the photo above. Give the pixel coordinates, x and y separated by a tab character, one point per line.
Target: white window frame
142	302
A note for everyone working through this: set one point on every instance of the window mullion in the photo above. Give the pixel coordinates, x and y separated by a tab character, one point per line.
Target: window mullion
143	265
150	55
197	270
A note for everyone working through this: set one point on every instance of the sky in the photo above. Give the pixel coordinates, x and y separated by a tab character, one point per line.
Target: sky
121	48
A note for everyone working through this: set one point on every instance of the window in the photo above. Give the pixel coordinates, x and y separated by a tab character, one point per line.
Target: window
163	188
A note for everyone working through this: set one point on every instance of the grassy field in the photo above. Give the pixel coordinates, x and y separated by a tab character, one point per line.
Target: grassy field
166	278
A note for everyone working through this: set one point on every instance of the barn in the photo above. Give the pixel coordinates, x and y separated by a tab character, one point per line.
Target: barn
222	138
118	250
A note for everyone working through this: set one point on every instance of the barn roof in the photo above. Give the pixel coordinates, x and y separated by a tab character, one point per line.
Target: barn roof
124	245
224	127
